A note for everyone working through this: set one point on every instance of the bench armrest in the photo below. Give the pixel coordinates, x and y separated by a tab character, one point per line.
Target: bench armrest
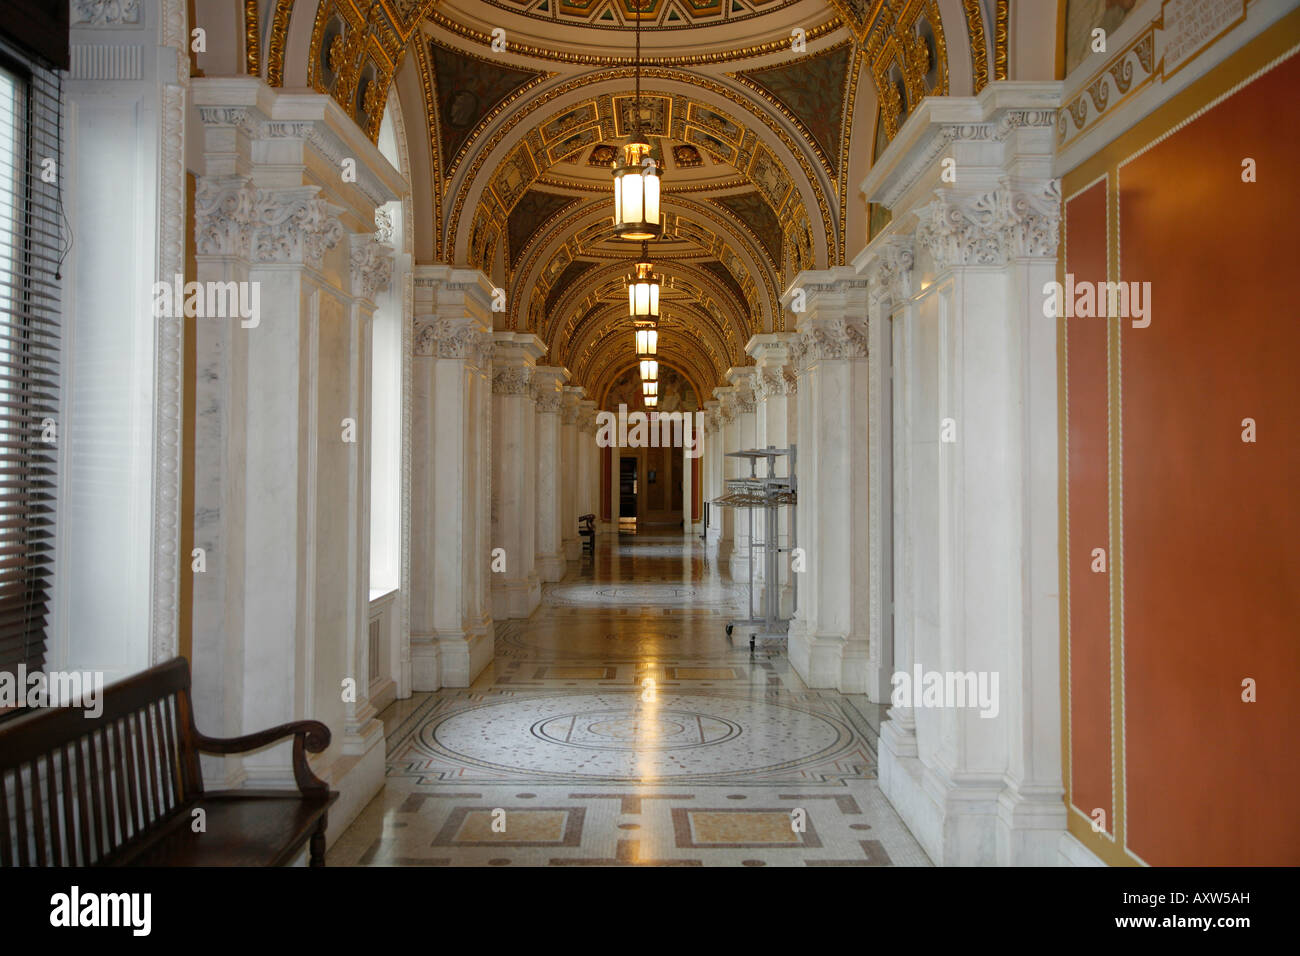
308	736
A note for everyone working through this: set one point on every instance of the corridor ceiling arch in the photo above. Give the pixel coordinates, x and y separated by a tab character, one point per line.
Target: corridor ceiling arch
761	112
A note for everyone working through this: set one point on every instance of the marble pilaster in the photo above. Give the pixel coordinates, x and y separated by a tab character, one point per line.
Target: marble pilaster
516	590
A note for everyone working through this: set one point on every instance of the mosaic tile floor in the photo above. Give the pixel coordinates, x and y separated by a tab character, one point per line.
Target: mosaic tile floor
619	726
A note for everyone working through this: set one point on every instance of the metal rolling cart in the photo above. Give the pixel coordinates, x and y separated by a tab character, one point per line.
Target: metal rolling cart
767	493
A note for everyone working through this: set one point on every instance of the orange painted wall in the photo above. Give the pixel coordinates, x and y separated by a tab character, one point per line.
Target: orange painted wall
1212	524
1203	588
1089	515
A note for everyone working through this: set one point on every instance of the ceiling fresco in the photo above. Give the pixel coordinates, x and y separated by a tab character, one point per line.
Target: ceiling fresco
515	109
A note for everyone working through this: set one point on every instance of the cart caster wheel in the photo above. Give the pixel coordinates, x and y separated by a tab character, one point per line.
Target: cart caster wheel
729	626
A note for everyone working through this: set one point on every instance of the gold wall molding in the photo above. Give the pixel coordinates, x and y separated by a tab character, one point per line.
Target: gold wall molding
252	39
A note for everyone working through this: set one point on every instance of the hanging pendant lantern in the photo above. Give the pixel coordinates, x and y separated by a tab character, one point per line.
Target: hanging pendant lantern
649	370
636	177
650	389
643	290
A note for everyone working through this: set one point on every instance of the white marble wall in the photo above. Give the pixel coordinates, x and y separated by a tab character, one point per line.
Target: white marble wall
118	568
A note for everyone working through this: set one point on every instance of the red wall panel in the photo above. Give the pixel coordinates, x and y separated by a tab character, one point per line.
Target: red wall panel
1211	525
1089	515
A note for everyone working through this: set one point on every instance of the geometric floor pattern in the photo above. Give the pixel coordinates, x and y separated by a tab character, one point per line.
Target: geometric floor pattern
619	726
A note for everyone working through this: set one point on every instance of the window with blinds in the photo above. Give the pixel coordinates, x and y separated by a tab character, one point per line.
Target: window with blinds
31	244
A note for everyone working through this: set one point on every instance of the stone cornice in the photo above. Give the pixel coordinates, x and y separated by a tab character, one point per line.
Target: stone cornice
943	123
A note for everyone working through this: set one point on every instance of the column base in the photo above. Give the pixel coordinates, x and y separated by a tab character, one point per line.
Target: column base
357	777
969	819
1070	852
452	658
550	567
829	661
572	548
516	599
426	665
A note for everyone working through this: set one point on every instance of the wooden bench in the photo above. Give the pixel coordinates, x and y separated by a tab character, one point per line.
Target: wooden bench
587	531
121	789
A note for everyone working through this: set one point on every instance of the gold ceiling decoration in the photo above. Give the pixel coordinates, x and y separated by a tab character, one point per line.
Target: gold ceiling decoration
585	59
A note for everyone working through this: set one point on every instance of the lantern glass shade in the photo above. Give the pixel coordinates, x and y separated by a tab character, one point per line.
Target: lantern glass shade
636	192
651	401
643	293
647	341
649	389
649	370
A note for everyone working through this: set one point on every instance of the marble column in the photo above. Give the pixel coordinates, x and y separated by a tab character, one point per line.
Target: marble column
451	622
687	463
829	646
612	527
959	274
727	468
548	394
279	611
712	470
775	391
588	460
569	462
747	522
516	590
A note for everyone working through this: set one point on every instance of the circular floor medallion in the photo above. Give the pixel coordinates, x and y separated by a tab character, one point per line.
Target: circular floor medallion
620	737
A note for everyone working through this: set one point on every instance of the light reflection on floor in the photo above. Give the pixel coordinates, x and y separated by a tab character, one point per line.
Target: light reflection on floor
620	726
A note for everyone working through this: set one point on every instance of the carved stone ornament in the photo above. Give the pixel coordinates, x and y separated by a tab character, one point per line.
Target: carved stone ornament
775	381
291	225
832	340
223	212
105	13
512	380
890	274
232	218
372	266
384	227
991	228
550	401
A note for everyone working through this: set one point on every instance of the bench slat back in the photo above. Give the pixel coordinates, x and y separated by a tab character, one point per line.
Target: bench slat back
74	788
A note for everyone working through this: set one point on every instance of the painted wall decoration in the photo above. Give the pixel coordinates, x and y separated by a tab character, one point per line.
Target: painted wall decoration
468	89
1084	16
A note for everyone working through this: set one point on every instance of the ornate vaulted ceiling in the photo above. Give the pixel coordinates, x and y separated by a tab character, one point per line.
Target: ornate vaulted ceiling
761	114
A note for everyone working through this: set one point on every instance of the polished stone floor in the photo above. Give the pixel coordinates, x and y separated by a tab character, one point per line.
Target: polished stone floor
620	726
